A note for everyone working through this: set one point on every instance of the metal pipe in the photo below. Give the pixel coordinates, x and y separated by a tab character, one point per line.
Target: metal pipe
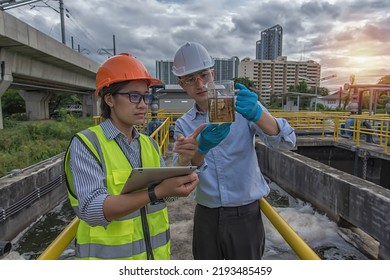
5	248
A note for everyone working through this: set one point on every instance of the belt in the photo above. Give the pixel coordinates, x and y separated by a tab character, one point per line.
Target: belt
253	206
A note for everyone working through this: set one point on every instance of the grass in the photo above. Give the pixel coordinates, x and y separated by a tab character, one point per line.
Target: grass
23	144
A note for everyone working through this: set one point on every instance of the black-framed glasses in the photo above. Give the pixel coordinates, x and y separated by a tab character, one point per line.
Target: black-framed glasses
190	80
135	97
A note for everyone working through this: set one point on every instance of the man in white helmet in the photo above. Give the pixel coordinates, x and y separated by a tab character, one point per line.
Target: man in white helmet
227	220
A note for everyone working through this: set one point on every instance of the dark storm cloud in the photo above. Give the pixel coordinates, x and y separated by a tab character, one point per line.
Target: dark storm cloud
152	30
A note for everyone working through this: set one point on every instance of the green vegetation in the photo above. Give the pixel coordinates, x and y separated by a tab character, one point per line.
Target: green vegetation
14	107
25	143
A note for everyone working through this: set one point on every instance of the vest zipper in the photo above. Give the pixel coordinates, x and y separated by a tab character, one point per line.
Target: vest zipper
145	227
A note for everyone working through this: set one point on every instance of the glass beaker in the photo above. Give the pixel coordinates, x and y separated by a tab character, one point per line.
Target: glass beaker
221	101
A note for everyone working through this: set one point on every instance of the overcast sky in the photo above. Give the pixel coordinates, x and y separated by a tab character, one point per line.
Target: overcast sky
345	36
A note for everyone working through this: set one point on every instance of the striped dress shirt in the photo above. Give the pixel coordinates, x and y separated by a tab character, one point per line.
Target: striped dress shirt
88	176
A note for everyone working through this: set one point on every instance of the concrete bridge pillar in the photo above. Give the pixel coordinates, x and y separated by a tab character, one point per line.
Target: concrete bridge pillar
37	104
90	105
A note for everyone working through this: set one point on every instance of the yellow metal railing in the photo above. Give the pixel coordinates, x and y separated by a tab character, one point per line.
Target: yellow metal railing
331	122
161	136
300	247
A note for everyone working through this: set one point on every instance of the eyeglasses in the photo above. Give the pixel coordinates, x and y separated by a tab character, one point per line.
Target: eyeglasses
135	97
190	80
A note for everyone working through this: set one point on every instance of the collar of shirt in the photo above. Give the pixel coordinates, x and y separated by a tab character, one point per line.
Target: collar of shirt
112	132
194	112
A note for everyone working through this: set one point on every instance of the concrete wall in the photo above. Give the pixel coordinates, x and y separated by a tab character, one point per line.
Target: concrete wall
29	194
338	194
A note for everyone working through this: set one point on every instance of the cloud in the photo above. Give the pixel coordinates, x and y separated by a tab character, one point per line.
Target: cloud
343	36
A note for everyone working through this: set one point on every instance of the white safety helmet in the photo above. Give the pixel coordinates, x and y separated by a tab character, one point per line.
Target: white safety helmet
190	58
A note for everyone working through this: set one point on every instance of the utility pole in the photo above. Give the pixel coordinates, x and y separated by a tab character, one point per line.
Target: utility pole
9	4
319	83
62	21
113	44
109	52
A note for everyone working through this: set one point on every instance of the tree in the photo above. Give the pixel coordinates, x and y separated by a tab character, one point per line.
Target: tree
383	97
12	103
245	81
384	80
59	101
321	91
249	84
383	100
301	87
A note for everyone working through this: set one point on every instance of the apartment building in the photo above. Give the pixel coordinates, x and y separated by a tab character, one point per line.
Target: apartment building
273	77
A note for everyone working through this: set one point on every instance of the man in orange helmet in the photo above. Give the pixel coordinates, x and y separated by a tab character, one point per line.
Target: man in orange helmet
98	162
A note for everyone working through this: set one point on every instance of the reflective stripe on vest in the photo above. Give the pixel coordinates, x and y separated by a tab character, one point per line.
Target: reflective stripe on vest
136	249
122	238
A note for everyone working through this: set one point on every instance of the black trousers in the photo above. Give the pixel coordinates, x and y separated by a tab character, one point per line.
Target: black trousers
231	233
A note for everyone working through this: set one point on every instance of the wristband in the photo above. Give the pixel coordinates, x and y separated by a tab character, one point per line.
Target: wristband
152	195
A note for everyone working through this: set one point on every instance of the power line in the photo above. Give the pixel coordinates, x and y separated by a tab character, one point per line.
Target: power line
10	4
84	30
88	39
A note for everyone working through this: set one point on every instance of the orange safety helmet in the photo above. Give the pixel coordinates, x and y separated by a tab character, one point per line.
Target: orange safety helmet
119	68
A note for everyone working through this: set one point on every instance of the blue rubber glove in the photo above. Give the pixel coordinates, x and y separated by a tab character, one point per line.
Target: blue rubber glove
211	136
246	104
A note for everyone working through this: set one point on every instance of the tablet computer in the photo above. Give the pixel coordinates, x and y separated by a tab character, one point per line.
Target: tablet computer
140	178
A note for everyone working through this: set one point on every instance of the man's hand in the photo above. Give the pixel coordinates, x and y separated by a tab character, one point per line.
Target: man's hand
186	147
246	103
211	136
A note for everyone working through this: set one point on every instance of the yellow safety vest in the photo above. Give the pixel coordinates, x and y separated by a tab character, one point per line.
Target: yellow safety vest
143	234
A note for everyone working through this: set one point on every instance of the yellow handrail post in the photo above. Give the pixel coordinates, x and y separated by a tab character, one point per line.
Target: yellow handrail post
303	251
54	250
336	129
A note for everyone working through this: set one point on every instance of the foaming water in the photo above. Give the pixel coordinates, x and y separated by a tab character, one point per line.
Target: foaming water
317	230
34	240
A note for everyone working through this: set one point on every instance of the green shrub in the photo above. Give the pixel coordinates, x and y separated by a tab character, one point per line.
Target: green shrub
26	143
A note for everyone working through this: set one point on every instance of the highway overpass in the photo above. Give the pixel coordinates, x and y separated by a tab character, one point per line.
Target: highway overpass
39	66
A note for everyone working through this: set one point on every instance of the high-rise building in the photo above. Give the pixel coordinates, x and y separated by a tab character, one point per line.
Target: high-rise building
270	44
276	76
164	72
225	69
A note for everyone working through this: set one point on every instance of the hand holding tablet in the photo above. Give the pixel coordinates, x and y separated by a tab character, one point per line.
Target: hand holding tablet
141	178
